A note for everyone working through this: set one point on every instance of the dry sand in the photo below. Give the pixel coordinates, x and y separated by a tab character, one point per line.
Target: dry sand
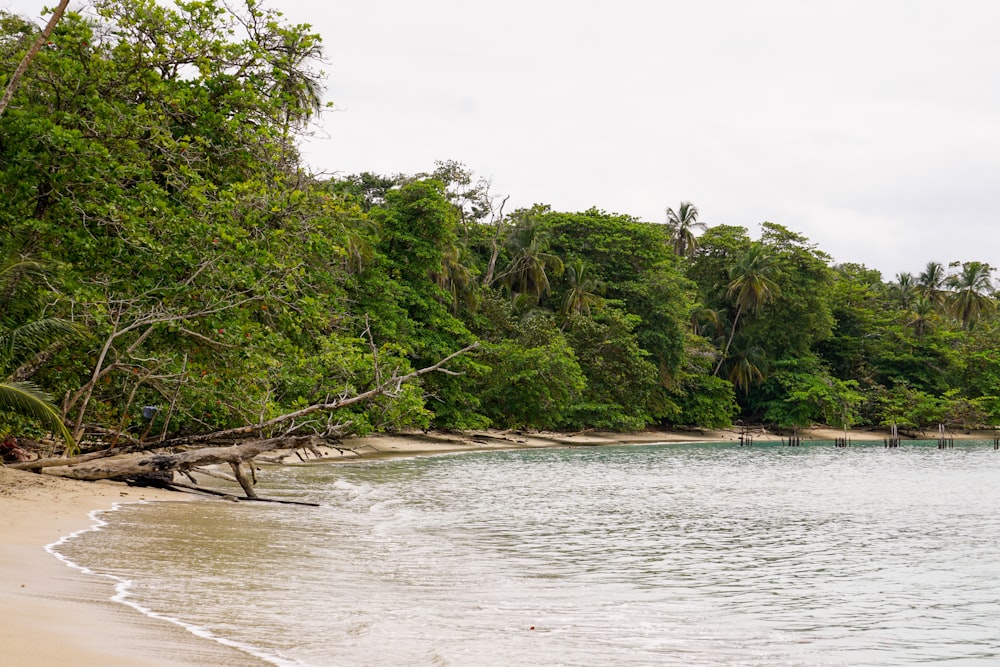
54	615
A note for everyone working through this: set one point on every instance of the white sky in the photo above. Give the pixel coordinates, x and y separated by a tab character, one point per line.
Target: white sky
870	126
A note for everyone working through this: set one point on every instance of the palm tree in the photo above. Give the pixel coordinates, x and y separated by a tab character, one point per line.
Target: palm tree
709	323
751	285
970	296
904	288
584	290
24	346
924	315
529	268
744	368
930	283
682	224
455	279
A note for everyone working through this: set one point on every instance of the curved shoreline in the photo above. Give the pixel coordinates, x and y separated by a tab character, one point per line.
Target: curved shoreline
53	615
122	587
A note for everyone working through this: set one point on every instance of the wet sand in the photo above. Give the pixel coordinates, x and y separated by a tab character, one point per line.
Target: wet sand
55	615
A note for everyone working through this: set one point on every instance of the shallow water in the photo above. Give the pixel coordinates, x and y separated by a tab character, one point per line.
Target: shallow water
653	555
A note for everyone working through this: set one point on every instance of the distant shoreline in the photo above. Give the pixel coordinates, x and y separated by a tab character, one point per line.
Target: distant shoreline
384	445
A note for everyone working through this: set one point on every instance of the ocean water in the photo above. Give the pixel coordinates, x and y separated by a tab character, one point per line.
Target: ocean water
639	555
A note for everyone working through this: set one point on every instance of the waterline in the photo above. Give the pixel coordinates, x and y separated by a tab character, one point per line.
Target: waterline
123	587
677	555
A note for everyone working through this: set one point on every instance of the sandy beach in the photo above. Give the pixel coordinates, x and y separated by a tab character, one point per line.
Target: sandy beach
55	615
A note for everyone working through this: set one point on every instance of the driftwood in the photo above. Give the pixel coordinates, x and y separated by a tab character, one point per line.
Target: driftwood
159	460
229	496
156	466
209	472
120	467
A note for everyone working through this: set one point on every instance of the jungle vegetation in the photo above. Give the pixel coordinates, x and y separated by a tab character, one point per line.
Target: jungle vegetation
170	266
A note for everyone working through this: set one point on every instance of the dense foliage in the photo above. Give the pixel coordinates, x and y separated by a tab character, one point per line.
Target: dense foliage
148	162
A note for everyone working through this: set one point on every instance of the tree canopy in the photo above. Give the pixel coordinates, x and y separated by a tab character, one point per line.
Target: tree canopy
198	277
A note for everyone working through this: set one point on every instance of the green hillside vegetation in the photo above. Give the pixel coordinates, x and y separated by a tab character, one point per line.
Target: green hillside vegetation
187	260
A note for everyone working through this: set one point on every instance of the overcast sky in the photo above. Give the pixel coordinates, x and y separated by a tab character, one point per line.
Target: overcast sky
870	126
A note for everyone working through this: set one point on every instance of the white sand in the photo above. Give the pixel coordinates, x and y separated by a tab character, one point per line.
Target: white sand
54	615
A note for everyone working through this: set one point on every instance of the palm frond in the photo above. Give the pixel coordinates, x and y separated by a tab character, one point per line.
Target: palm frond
30	401
32	336
14	266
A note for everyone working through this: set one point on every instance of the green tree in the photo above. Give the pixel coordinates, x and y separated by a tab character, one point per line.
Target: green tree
623	391
634	263
864	318
704	401
905	406
583	289
530	264
403	295
979	378
904	289
682	225
801	391
27	341
533	380
751	286
152	151
930	283
971	293
800	317
15	78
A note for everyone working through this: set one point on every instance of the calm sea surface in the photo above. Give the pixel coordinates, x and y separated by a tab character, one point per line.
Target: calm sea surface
653	555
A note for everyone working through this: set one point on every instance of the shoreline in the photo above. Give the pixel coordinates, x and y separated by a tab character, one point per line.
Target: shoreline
57	615
390	445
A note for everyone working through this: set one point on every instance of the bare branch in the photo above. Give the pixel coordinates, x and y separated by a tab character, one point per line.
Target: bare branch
389	387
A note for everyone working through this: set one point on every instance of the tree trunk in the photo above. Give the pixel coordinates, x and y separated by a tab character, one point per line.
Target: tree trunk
732	334
120	467
43	38
243	478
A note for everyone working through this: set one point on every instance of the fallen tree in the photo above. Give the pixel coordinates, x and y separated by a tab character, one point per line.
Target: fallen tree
236	447
152	465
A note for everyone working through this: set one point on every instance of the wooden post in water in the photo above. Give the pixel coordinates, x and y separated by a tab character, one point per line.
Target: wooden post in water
842	442
944	440
893	440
